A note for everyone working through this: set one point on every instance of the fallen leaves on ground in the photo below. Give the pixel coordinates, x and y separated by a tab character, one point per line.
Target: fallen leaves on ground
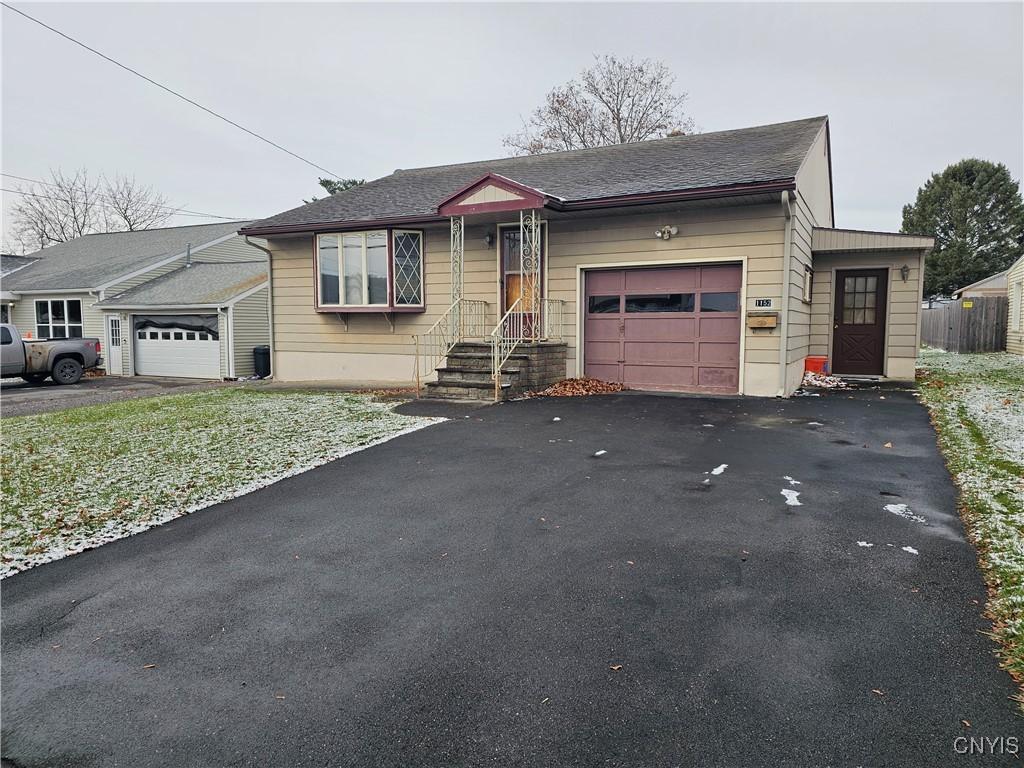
812	379
578	388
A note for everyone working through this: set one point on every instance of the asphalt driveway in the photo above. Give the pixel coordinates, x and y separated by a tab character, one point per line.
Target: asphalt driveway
20	398
490	592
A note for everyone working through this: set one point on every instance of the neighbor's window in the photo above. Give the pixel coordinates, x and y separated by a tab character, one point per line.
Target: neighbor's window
59	318
353	269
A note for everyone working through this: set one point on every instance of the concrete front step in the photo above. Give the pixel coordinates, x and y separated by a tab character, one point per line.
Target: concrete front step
463	391
458	375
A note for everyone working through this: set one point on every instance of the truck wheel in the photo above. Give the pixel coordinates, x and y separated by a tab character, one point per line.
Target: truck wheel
35	378
67	371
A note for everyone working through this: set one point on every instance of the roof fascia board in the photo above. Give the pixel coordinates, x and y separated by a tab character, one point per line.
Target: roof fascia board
645	198
530	197
247	293
146	307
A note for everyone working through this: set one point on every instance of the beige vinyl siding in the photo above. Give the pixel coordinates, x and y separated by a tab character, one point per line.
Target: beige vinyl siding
1015	317
799	327
814	181
235	249
903	305
856	241
23	315
250	328
311	345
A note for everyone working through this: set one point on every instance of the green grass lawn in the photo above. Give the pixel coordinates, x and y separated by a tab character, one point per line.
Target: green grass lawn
977	405
78	478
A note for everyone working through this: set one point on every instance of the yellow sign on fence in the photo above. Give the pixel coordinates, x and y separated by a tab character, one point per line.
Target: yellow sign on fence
967	304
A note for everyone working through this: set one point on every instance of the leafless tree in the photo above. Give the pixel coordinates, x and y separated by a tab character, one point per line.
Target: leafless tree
128	205
71	205
615	101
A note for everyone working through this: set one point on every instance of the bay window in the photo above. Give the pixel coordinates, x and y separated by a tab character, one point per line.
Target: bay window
59	318
380	270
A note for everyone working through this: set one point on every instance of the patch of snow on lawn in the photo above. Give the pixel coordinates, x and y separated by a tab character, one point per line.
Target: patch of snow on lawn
792	497
790	480
719	469
902	510
911	550
73	480
864	544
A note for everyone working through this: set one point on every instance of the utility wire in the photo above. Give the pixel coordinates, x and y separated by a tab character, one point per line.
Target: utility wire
111	207
169	90
183	211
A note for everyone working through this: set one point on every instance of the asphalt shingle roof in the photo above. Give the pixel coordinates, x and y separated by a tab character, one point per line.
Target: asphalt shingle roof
201	284
723	158
90	261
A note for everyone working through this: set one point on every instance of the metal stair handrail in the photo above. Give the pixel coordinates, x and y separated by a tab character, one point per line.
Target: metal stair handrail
465	318
508	334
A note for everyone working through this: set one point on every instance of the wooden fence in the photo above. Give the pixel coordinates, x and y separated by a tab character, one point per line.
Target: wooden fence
967	325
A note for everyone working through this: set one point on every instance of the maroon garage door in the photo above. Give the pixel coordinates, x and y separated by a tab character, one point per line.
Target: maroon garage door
664	328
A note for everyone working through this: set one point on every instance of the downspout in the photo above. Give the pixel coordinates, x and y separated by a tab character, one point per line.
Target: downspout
270	298
787	263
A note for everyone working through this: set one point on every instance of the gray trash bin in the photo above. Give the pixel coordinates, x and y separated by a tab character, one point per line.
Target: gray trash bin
261	360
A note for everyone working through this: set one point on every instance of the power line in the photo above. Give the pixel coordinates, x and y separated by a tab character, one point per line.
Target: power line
170	90
111	207
182	211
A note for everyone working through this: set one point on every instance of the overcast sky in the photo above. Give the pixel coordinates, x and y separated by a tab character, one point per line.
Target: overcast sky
365	89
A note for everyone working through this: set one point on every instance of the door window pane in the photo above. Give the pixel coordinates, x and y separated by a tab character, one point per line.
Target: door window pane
663	302
352	264
719	302
5	336
601	305
377	267
329	271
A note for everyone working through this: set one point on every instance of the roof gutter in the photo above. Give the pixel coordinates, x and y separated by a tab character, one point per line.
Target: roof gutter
617	201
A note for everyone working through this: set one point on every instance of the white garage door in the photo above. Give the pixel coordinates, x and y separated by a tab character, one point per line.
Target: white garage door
176	352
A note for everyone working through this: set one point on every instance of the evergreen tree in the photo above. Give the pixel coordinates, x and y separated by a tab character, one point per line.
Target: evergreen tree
974	211
333	186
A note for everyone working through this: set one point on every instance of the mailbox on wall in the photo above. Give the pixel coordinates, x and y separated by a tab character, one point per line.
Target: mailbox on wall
767	320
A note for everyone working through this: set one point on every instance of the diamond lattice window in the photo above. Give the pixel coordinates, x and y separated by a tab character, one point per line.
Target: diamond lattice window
408	252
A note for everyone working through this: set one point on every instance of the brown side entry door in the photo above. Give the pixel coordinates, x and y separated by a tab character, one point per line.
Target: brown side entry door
858	323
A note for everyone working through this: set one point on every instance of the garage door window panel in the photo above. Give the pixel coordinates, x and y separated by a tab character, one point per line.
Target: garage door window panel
603	305
727	301
663	302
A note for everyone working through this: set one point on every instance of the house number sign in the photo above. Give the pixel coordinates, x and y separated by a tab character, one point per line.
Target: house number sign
764	303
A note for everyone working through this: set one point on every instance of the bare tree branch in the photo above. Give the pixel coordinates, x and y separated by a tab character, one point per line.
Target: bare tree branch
615	101
69	206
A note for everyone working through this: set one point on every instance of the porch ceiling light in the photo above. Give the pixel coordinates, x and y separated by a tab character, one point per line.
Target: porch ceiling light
489	239
666	232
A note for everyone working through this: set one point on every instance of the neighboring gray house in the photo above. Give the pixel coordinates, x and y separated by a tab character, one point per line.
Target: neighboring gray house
178	301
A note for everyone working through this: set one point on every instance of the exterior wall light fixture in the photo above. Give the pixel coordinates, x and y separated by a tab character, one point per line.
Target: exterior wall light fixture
666	232
904	272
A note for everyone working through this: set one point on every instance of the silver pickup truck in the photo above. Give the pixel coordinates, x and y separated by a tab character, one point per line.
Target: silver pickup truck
65	360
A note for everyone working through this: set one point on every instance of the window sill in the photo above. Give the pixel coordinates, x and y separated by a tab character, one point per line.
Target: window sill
385	308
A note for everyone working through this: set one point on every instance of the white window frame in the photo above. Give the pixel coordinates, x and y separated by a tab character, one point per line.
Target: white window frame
390	305
808	284
67	324
341	269
394	272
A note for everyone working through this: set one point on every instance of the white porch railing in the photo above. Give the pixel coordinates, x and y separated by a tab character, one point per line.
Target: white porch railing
553	319
464	319
506	336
